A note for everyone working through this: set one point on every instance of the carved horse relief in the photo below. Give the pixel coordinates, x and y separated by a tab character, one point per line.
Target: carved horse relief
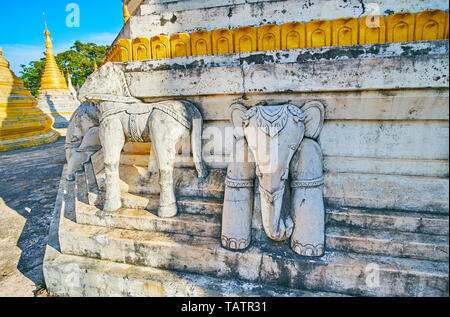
125	118
282	150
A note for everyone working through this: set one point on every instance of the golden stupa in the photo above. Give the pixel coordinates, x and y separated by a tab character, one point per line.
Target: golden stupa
22	124
53	78
55	98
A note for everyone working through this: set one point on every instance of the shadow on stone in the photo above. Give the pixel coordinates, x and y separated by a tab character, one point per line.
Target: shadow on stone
31	178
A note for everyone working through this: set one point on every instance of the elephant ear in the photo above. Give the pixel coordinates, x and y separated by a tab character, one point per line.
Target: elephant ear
236	113
314	112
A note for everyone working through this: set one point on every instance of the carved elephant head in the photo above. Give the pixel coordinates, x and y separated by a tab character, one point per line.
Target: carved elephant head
82	137
106	84
274	134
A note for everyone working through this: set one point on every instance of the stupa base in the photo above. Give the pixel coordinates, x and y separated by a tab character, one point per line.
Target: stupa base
59	105
24	141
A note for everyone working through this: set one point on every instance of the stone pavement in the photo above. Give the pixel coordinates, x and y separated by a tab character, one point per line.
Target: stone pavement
29	180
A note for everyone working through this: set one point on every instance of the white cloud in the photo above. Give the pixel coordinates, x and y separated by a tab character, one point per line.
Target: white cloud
18	54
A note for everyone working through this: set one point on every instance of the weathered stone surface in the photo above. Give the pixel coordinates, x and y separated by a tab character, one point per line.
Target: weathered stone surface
81	276
386	139
370	219
187	16
428	194
414	104
28	188
385	142
393	166
204	255
400	132
59	105
389	220
379	66
188	205
144	220
405	245
366	232
386	191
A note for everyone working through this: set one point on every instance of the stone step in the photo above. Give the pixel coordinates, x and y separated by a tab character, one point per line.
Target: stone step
264	262
144	220
195	206
119	280
351	217
389	220
338	236
399	244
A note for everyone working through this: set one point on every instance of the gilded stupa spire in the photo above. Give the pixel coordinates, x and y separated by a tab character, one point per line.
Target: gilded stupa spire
126	13
53	77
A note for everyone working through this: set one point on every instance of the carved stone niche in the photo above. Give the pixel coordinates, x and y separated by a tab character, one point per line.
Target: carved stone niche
277	144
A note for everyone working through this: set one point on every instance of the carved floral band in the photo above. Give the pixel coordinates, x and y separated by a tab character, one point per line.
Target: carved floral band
239	183
308	183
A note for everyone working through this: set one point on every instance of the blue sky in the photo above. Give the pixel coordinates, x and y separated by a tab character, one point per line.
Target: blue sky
22	26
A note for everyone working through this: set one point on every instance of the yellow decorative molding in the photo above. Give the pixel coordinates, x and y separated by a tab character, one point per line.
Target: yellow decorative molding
141	49
245	39
430	25
125	49
222	41
318	33
400	27
293	35
160	46
344	31
269	37
446	25
180	44
201	43
372	29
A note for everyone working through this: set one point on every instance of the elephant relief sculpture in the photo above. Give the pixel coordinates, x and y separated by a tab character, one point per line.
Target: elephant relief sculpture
82	138
127	119
282	150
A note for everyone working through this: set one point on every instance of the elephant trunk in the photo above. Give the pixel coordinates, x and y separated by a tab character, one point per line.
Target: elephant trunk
76	162
271	205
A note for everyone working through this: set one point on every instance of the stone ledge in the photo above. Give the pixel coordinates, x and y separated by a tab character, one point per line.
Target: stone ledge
198	14
375	191
206	256
353	239
300	55
75	276
355	68
208	211
265	263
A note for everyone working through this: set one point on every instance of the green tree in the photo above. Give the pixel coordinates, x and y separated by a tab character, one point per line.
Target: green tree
79	61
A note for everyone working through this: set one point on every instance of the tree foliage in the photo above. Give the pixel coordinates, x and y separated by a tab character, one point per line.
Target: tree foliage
79	61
